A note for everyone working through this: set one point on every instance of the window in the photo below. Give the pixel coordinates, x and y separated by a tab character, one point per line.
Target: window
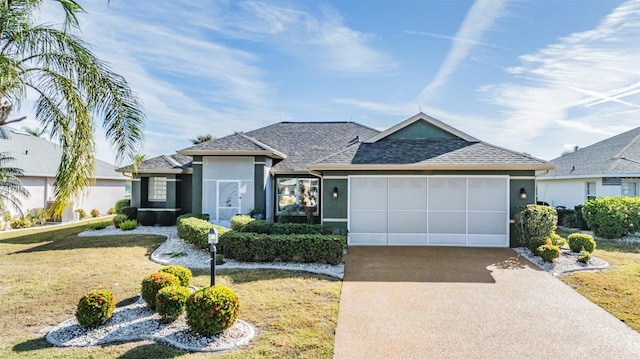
157	189
629	188
301	192
591	190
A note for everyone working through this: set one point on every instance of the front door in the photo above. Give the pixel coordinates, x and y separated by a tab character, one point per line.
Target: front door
229	199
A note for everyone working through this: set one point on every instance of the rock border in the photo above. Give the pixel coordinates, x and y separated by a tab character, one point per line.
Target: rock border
565	264
147	325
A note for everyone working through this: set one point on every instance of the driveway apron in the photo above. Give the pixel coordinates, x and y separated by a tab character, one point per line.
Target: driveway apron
437	302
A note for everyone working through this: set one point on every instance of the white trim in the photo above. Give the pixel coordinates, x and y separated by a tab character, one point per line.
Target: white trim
431	166
196	162
550	177
341	220
523	177
428	119
336	177
136	179
174	180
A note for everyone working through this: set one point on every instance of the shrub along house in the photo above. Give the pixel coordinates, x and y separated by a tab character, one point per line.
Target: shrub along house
421	182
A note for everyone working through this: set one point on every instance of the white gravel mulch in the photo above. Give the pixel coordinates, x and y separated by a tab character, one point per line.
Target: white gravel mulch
566	263
137	322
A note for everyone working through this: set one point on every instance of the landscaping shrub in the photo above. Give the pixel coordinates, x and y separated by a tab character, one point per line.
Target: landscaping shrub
548	252
211	310
238	222
535	221
152	284
580	222
37	216
612	217
304	248
219	259
147	218
20	222
536	242
196	231
562	212
130	212
170	301
94	213
584	256
183	273
557	240
119	218
81	213
266	227
203	216
570	220
111	211
129	224
580	241
97	226
121	204
95	308
166	218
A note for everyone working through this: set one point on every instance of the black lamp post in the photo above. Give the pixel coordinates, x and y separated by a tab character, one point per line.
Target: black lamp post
213	240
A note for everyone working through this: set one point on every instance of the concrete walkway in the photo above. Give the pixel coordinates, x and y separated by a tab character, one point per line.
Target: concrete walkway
434	302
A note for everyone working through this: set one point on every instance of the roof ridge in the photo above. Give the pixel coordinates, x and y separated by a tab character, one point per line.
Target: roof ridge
260	144
619	155
171	160
514	152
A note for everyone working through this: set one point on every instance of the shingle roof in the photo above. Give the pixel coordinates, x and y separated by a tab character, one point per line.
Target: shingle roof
301	143
619	154
40	158
163	164
429	152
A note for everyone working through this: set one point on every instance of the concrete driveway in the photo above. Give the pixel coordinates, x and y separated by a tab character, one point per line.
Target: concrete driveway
435	302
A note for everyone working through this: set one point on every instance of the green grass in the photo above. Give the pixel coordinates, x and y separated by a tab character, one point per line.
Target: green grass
617	289
44	274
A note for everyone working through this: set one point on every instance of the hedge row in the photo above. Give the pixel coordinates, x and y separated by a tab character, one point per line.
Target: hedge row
612	217
266	227
195	230
304	248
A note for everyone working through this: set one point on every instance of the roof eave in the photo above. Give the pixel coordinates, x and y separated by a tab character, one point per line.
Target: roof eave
271	154
438	167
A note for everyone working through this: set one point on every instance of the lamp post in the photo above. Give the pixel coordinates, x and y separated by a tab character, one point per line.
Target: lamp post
213	240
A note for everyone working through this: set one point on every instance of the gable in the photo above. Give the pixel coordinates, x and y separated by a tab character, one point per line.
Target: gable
420	130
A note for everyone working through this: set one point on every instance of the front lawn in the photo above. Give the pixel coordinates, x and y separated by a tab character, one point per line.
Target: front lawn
45	274
617	289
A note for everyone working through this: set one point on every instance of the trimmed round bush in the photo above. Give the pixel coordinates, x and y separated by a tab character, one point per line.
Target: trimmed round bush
548	252
239	221
557	240
130	212
94	213
128	225
95	308
170	301
211	310
152	284
536	242
584	256
183	273
121	204
579	241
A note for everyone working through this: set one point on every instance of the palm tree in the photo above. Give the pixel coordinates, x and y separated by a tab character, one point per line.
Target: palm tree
10	185
74	90
34	131
202	138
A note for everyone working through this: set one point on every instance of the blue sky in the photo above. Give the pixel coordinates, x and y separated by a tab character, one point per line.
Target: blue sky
536	76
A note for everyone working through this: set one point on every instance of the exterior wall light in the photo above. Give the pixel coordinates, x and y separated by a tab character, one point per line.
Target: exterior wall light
335	192
523	193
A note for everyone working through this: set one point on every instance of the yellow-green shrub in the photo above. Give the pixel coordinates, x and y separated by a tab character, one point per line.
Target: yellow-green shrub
95	308
152	284
170	301
211	310
580	241
183	273
612	217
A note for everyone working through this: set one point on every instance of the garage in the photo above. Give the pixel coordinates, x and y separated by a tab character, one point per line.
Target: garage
465	211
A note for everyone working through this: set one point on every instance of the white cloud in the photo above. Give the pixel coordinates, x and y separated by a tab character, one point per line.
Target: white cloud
577	83
324	39
478	20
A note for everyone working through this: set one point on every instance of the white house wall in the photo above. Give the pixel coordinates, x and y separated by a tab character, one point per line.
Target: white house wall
572	192
102	196
222	169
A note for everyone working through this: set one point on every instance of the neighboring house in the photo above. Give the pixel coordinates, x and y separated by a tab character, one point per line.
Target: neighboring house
420	182
608	168
39	160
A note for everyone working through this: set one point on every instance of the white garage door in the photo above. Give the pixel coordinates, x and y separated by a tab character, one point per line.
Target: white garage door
429	210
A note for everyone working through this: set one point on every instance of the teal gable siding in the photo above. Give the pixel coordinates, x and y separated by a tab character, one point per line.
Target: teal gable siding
420	130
